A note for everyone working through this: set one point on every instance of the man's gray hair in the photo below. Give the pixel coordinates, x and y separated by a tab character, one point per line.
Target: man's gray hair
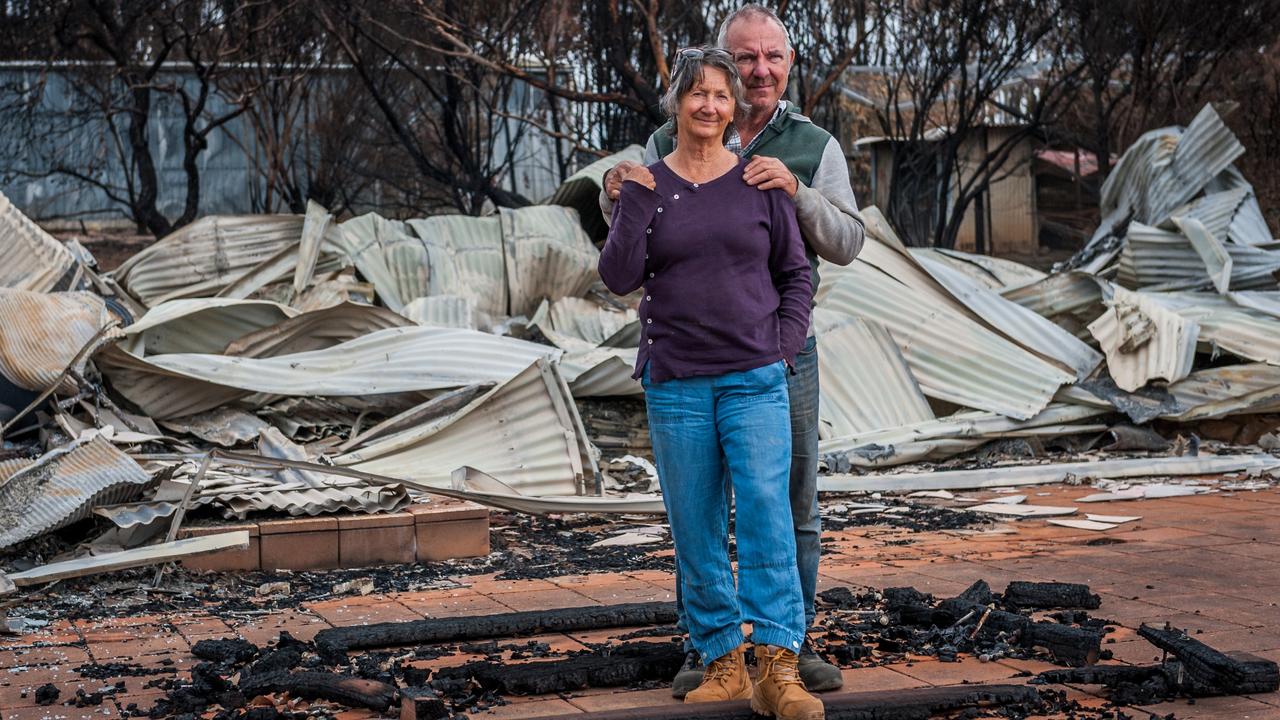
687	72
752	10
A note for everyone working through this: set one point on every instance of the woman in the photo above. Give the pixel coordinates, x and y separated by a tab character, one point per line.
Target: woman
725	310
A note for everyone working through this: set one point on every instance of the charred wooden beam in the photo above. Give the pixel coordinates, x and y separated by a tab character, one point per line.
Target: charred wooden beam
334	643
618	666
346	689
1048	595
1072	645
915	704
1210	672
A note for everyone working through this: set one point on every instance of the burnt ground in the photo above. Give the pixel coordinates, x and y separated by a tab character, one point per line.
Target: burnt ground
1217	580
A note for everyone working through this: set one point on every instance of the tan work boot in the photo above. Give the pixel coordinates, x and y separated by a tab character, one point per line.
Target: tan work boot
725	679
779	691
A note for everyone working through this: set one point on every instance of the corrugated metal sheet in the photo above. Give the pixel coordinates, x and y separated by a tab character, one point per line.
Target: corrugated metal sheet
11	466
225	426
576	323
40	334
866	384
1165	168
1214	210
1013	475
1265	302
321	416
1229	390
448	311
548	256
943	437
1143	340
314	224
1248	226
582	190
996	273
952	357
1226	326
1063	294
1158	259
64	485
1032	331
315	330
388	361
488	490
464	257
30	258
520	431
201	325
601	372
204	257
1217	262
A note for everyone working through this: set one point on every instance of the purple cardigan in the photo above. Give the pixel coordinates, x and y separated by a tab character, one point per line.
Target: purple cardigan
723	267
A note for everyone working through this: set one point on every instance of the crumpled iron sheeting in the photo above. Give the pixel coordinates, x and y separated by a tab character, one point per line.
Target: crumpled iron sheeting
315	330
64	485
202	258
310	501
866	383
201	325
1144	340
522	431
32	259
1228	390
951	356
386	362
601	372
40	333
224	426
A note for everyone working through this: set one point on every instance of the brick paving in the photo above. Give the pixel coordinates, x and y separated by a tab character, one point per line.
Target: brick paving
1209	563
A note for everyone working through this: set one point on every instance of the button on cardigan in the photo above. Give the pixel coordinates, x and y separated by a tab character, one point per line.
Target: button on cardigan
724	271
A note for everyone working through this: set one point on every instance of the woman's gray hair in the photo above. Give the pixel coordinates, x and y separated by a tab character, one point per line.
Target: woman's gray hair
752	10
687	72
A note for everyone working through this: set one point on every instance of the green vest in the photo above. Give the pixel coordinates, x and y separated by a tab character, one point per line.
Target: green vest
792	138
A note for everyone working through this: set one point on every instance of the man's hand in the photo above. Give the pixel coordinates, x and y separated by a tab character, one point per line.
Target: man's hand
638	174
614	177
766	173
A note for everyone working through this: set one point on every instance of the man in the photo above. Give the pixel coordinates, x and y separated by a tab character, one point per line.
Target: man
787	151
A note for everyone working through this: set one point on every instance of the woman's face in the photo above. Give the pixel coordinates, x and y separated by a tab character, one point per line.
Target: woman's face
707	108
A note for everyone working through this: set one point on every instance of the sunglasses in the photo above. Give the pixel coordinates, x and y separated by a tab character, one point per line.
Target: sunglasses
697	53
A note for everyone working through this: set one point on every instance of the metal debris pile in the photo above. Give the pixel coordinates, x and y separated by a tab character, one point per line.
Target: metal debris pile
303	365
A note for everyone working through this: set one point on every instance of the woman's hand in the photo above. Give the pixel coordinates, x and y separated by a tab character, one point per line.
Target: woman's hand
640	174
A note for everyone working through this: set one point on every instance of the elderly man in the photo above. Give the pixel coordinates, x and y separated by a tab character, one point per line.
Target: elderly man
787	151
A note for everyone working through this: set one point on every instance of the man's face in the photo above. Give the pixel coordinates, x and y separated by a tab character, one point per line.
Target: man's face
760	51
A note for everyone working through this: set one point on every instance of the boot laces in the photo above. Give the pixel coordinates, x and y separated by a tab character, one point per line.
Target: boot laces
784	668
720	668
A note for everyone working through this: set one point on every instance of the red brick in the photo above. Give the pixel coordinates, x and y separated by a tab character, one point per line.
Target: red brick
300	550
227	560
453	539
386	545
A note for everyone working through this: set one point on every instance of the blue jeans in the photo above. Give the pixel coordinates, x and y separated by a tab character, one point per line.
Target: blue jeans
704	430
802	391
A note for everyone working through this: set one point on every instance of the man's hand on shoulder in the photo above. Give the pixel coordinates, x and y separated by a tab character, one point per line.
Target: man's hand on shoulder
614	178
638	174
766	173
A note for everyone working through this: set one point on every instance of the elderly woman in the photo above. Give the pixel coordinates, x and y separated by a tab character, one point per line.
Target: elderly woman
725	310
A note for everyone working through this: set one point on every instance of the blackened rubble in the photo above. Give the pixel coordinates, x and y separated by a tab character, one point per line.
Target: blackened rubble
863	628
523	546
